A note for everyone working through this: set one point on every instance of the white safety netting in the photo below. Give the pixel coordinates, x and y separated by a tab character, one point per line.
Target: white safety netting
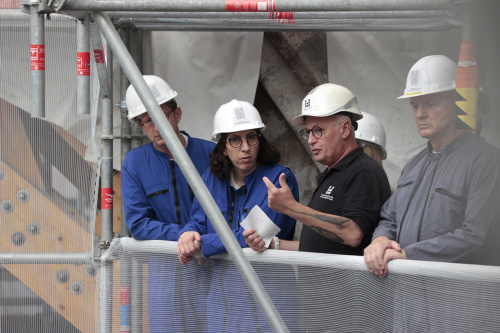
48	186
145	283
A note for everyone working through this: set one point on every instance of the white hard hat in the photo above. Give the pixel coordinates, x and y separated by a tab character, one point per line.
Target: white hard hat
160	89
236	116
370	129
325	100
429	75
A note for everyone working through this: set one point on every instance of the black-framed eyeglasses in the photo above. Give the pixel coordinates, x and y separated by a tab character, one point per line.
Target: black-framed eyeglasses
148	123
316	131
237	141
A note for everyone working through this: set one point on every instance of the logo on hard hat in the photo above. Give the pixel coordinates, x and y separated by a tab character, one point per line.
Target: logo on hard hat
240	116
155	91
307	104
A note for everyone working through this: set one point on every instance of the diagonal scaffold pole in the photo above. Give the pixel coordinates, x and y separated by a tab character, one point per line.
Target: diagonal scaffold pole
188	169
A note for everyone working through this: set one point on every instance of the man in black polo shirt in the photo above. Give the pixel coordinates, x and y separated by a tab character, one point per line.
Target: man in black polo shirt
345	207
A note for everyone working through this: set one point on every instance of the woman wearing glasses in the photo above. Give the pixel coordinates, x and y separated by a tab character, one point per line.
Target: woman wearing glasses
238	163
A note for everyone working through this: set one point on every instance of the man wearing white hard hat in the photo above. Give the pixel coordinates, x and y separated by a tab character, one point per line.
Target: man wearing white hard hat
344	209
445	206
157	203
156	195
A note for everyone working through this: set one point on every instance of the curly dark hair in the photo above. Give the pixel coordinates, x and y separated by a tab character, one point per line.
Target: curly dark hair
221	165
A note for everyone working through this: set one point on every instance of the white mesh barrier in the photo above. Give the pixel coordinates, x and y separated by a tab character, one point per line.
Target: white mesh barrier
312	292
48	186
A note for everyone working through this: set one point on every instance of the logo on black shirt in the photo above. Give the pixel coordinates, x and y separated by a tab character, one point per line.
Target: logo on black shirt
327	195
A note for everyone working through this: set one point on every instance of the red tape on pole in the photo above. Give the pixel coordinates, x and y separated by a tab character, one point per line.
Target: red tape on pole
106	198
37	57
250	5
83	63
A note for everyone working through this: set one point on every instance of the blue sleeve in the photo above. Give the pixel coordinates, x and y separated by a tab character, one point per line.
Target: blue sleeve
212	244
198	220
140	216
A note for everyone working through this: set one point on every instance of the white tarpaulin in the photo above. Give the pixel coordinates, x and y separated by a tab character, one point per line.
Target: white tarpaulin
207	69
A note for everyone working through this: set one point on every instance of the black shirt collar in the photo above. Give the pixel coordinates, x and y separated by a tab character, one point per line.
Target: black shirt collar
343	163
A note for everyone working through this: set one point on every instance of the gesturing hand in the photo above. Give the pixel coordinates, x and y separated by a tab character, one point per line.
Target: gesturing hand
279	199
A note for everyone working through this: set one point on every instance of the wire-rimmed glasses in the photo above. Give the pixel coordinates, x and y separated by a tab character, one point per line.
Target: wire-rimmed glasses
148	123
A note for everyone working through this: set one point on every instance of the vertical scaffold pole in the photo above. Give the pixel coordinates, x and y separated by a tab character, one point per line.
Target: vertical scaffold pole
125	125
107	159
137	282
37	55
107	219
83	65
136	47
106	296
125	140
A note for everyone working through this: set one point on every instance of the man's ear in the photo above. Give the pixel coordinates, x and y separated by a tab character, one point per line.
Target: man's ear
178	114
346	127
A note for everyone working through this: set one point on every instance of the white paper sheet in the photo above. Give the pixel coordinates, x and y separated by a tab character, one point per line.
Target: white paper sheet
259	221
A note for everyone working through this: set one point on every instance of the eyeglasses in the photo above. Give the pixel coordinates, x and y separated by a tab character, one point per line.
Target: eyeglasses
237	141
316	131
148	123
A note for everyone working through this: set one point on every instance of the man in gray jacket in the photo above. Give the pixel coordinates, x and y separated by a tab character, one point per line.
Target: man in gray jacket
445	207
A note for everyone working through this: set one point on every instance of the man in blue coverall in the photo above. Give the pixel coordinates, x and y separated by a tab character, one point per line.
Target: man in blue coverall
156	196
157	202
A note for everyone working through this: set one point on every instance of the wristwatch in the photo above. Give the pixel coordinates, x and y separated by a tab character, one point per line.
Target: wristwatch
276	243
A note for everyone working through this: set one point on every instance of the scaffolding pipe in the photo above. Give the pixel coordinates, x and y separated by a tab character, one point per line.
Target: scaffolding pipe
125	125
125	144
106	280
106	295
279	6
136	307
136	45
55	258
468	24
286	24
266	15
100	60
106	172
109	65
136	297
194	179
37	37
83	65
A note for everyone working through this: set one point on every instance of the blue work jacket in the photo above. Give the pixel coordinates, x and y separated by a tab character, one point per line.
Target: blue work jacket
157	201
230	306
156	197
236	204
